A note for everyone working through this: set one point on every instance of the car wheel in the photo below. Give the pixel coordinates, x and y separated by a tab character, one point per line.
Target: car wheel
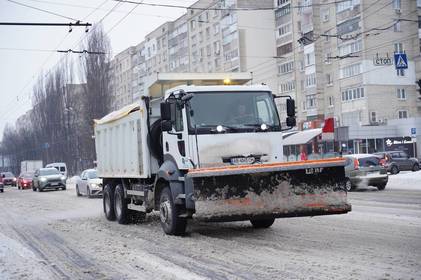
348	185
381	187
171	223
416	167
39	189
77	191
18	187
108	203
88	192
34	189
394	170
262	223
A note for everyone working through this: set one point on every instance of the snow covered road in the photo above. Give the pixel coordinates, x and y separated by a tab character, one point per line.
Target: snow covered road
56	235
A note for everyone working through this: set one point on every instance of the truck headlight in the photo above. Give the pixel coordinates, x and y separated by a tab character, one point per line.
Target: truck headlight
93	185
42	179
63	178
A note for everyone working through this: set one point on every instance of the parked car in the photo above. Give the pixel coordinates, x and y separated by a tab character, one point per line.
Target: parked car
48	178
8	179
396	161
25	180
363	170
89	184
60	166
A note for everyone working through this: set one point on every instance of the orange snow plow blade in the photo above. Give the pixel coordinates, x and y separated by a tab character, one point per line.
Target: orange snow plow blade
243	192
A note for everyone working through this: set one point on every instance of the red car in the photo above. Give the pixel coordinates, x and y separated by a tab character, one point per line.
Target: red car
25	180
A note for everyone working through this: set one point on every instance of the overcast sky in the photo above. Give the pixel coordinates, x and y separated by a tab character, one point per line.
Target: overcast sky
20	69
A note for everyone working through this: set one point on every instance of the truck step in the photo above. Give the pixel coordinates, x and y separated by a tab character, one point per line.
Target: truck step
136	193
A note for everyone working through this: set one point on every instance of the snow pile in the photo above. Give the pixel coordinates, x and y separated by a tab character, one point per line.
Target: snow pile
405	180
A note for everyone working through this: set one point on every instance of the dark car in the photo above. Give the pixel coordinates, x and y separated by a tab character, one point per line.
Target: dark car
396	161
1	185
8	179
362	170
25	180
48	178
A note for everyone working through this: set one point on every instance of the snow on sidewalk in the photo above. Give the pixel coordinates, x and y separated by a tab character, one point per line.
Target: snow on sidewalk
405	180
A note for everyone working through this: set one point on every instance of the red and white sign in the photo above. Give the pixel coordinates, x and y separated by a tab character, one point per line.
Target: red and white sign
328	129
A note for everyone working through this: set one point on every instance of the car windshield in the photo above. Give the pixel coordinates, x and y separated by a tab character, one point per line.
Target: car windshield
233	109
92	174
8	174
48	171
28	175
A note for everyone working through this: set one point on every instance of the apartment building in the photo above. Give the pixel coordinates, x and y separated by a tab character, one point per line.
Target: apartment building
122	67
338	61
213	36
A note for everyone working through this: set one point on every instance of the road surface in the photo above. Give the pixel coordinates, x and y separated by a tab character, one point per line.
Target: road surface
56	235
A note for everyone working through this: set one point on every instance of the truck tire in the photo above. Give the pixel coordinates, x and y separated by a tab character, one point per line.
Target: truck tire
77	191
108	203
416	167
262	223
171	223
120	206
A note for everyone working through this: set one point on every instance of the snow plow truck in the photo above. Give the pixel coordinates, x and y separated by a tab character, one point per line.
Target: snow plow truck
209	147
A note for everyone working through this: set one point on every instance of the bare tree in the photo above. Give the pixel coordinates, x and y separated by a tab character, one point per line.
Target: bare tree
97	97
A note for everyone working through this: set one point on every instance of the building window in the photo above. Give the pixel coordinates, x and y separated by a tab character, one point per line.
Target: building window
401	94
349	26
330	99
310	80
373	117
282	2
283	11
310	101
397	27
398	48
397	5
403	114
284	30
216	28
325	14
350	94
193	24
309	59
217	47
284	49
329	79
287	86
286	67
346	5
350	70
350	48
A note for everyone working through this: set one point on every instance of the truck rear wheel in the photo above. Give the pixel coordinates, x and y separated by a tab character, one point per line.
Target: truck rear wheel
108	203
120	206
262	223
171	223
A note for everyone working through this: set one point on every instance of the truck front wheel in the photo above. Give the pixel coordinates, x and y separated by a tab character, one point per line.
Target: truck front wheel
262	223
169	214
108	203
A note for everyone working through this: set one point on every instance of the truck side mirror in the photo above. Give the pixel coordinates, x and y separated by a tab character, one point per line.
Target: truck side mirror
165	111
290	107
166	125
291	121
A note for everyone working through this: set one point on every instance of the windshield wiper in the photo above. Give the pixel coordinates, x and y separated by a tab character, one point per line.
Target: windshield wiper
258	126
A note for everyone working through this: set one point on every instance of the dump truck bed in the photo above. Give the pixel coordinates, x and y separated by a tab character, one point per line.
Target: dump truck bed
294	189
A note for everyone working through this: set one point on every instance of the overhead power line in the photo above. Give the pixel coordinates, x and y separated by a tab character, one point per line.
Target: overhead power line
42	10
70	24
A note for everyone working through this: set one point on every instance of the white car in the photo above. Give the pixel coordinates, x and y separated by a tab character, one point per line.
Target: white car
89	184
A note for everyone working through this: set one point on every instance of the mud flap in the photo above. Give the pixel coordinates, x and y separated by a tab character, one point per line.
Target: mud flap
269	191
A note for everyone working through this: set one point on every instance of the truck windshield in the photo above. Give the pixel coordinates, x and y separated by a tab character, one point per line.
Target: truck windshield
234	111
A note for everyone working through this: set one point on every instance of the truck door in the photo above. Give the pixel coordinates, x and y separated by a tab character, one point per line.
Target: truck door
174	142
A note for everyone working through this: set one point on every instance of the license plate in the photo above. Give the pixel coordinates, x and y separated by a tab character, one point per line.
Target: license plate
55	184
242	160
